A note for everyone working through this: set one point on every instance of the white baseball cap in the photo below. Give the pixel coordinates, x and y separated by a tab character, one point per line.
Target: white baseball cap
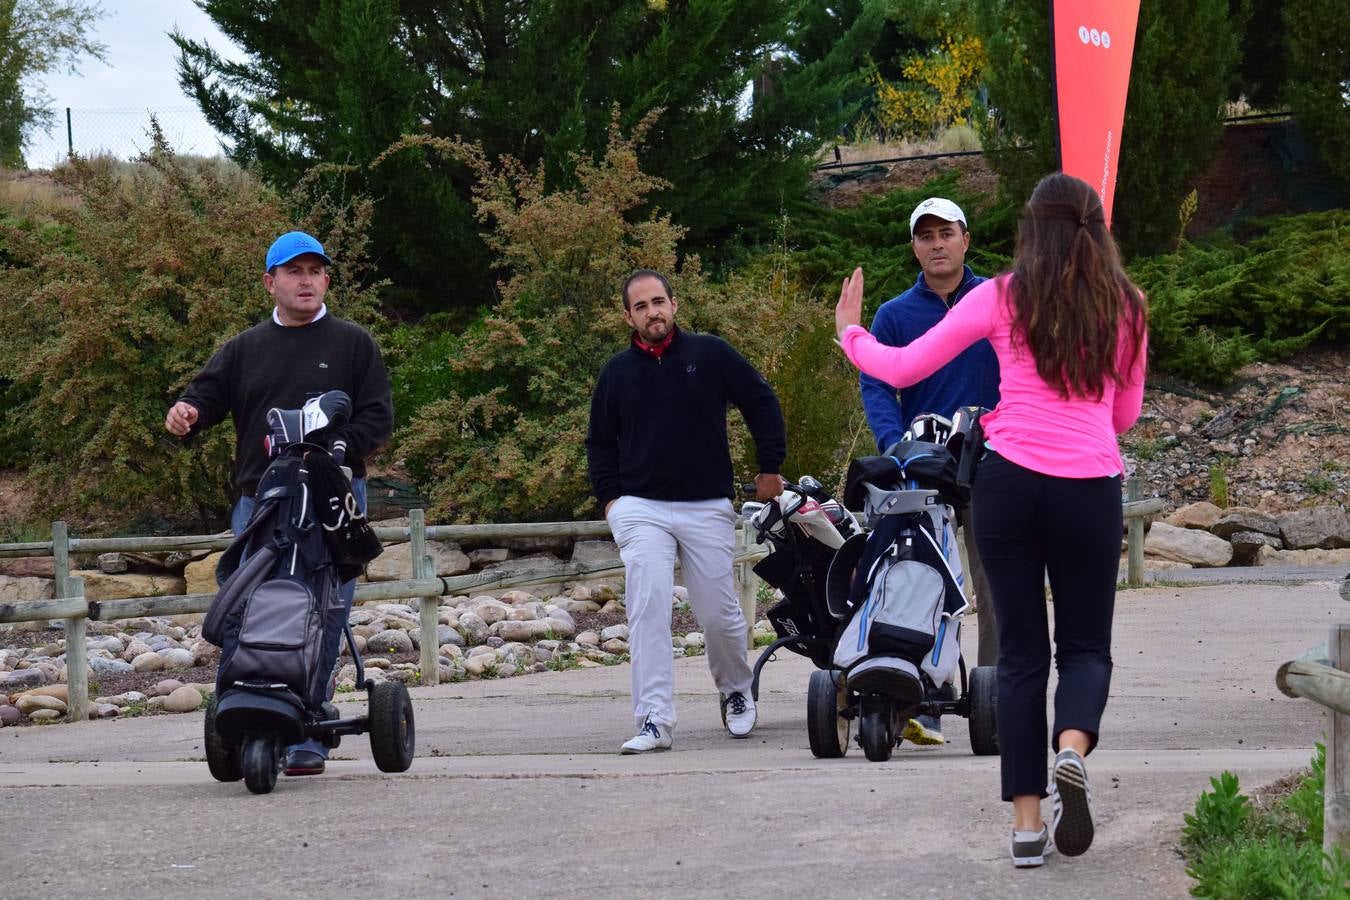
945	210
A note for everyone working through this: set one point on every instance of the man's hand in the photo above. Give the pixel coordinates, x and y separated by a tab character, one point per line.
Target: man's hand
608	505
768	486
182	416
849	309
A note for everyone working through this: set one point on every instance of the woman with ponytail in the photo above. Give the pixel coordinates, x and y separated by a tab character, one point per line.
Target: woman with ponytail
1070	333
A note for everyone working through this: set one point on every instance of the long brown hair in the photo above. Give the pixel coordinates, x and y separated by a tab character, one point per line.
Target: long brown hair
1072	301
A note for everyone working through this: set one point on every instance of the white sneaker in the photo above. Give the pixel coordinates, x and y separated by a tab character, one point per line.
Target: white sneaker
738	714
651	737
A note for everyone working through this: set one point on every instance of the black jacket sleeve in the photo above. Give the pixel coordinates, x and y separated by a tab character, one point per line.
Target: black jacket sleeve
209	390
372	420
751	394
602	443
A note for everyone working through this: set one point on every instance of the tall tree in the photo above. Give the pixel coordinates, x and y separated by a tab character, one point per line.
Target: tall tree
1318	89
337	80
1185	55
38	37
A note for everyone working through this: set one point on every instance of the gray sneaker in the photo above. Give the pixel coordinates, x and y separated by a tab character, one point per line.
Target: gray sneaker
1071	799
1030	848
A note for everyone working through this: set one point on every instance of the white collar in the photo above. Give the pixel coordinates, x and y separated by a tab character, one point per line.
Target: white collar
323	310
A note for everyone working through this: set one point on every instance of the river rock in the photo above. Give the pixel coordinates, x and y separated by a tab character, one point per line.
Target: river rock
588	639
23	589
8	714
613	608
28	703
45	715
184	699
164	688
513	630
1188	545
391	641
100	666
21	680
477	665
1319	528
59	691
615	631
472	626
136	648
693	640
615	645
148	662
577	607
516	596
177	658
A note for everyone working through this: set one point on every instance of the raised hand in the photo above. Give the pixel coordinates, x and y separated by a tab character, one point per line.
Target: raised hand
849	309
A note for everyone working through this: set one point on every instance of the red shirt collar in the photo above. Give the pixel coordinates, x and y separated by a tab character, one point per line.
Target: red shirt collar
656	350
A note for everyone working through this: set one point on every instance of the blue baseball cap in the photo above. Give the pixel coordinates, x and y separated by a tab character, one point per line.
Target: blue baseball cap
293	244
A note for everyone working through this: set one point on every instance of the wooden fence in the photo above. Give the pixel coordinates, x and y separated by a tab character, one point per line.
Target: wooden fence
72	607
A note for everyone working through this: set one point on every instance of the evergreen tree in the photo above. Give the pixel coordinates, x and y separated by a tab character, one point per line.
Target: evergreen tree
1318	89
1185	54
338	80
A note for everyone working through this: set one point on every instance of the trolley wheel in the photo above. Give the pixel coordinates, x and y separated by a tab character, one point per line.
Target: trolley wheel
984	710
261	763
392	735
826	729
222	758
876	728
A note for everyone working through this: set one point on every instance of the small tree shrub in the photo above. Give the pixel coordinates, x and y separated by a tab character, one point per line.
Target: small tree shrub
106	313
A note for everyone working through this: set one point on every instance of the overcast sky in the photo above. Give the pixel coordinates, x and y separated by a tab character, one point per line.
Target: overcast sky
110	104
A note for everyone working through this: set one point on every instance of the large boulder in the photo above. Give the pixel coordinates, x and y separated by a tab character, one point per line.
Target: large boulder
1319	528
20	589
1247	544
200	576
1269	556
395	563
1188	545
1202	515
102	586
29	567
1237	520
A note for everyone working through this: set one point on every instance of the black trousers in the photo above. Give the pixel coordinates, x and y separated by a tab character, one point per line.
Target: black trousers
1031	525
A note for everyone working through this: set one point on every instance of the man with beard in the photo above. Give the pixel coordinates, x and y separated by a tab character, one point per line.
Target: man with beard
661	468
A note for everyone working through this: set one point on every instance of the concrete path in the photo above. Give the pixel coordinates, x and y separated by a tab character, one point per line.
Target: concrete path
518	791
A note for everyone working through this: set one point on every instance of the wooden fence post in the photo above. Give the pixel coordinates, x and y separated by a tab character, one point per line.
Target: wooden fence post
748	584
428	607
60	557
77	658
1336	804
1135	539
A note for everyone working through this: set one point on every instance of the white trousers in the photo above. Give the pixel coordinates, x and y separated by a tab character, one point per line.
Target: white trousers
650	535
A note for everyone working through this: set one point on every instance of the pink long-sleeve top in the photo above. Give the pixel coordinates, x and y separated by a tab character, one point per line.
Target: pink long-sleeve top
1033	424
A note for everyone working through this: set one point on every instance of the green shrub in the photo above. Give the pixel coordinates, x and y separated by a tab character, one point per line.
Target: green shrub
1236	851
1215	307
108	311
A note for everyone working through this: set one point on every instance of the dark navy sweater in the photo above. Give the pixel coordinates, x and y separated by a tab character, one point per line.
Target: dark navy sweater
658	426
271	365
971	379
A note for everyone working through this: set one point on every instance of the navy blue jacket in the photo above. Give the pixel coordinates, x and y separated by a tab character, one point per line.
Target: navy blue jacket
969	380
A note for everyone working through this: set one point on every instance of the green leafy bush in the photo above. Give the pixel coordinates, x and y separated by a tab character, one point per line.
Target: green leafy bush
1213	308
107	311
1237	851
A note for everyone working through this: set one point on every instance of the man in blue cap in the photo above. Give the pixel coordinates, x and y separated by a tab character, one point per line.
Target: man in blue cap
300	352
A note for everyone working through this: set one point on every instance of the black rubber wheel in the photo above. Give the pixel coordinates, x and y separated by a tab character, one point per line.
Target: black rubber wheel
984	710
260	764
876	728
330	739
826	729
222	758
393	737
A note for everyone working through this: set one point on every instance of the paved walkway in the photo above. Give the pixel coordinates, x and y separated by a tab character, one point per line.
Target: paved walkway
518	792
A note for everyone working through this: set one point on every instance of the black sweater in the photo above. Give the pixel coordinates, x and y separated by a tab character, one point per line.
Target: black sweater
274	366
659	426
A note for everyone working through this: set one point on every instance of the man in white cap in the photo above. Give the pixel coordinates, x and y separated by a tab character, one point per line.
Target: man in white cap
940	239
299	352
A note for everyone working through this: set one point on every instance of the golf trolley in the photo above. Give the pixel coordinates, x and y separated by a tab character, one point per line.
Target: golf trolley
276	612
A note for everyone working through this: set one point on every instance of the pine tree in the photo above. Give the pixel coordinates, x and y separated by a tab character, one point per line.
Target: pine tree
338	80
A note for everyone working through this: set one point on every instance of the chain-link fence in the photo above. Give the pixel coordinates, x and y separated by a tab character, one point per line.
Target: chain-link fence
123	133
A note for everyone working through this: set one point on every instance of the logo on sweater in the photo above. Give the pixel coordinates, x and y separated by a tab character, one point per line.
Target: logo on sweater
323	365
691	369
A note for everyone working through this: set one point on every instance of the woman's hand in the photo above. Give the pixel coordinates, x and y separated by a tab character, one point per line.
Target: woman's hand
849	309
